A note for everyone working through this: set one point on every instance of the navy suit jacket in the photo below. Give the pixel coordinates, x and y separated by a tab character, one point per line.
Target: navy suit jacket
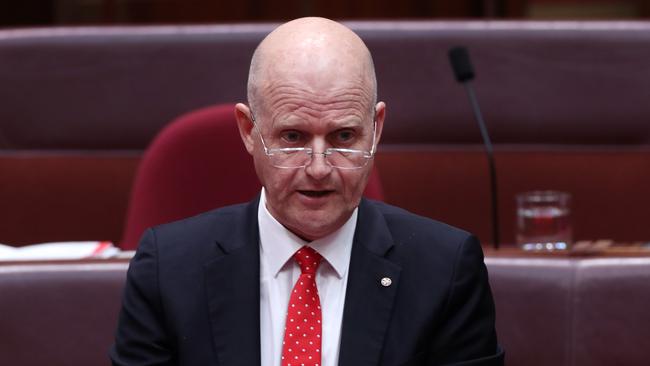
192	295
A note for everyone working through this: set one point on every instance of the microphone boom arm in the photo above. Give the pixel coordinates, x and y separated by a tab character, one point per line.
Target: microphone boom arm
464	73
490	156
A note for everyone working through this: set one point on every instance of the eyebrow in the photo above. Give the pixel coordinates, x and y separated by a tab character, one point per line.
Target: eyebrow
350	121
296	123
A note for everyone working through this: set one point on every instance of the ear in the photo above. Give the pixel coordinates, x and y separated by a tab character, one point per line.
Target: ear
380	115
245	125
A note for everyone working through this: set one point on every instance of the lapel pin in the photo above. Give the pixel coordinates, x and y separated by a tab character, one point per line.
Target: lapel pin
386	281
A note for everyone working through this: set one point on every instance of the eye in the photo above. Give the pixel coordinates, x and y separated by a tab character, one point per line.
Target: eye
291	136
345	136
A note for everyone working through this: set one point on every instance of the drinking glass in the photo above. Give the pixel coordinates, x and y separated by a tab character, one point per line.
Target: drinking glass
544	220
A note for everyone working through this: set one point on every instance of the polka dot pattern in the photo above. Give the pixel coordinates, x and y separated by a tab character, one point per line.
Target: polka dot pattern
302	332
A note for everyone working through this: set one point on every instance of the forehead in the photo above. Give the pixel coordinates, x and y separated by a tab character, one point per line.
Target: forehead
289	103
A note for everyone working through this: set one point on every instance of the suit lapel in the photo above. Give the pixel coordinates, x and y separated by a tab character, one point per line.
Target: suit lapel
368	302
233	289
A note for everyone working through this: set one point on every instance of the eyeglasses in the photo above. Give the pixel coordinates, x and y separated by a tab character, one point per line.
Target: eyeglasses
300	157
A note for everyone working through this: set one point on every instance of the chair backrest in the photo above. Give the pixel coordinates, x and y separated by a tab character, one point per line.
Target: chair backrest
195	164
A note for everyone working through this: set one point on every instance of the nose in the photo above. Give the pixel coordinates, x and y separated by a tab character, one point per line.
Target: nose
318	168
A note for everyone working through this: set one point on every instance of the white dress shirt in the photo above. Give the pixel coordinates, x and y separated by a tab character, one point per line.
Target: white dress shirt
279	272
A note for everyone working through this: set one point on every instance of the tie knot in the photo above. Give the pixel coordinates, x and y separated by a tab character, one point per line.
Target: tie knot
308	259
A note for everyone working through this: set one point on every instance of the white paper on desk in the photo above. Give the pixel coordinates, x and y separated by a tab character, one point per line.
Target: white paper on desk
59	251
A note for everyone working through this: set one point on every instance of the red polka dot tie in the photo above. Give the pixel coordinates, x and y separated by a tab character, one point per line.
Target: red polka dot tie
302	333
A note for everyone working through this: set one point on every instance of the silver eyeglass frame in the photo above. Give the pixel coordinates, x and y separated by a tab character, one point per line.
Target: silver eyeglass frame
367	155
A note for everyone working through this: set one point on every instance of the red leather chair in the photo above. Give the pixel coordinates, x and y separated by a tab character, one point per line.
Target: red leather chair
196	163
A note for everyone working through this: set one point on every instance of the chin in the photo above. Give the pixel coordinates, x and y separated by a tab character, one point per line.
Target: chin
312	230
314	227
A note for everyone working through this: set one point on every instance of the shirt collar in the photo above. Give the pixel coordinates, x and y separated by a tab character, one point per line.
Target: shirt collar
279	244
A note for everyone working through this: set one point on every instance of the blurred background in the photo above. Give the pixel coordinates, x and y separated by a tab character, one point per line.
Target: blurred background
106	130
90	12
80	105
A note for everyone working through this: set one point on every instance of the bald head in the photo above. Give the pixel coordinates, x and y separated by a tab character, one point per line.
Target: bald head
317	52
312	124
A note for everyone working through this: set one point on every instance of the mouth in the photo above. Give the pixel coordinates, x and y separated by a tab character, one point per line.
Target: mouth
316	194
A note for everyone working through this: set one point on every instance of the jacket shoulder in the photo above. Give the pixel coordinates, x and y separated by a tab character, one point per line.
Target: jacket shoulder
404	224
201	224
197	236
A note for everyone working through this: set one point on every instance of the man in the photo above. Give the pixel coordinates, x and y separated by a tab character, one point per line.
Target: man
309	273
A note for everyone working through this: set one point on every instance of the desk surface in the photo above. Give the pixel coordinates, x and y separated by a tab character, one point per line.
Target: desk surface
597	249
580	249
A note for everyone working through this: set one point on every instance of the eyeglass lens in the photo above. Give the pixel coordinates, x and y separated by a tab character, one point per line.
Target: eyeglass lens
335	158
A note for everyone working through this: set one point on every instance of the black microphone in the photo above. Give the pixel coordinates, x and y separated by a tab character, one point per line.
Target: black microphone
459	58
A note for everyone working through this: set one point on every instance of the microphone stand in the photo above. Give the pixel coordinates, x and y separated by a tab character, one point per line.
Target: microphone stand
464	73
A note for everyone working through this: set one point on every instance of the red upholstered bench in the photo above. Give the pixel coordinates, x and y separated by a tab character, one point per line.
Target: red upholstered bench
561	312
566	103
